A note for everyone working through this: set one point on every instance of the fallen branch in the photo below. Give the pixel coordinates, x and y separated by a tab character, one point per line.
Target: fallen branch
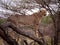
7	38
21	32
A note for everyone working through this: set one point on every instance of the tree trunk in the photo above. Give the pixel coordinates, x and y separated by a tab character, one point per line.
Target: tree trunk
57	28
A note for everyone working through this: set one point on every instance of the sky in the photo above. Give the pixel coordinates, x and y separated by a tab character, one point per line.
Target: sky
53	6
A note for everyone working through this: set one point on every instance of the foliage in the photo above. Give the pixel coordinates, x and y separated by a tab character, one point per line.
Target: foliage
2	20
46	20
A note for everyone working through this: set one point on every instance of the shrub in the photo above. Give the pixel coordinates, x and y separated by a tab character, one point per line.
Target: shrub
2	20
46	20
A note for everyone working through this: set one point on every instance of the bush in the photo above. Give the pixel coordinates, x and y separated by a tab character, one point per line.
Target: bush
2	20
46	20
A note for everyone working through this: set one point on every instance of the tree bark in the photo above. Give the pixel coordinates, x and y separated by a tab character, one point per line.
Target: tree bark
21	32
8	39
57	27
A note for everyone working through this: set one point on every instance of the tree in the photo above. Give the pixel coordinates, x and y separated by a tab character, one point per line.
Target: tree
55	15
25	4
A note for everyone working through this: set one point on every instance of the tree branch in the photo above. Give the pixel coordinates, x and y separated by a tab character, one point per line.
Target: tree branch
21	32
7	38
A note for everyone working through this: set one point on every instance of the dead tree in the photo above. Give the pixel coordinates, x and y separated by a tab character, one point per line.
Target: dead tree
21	32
